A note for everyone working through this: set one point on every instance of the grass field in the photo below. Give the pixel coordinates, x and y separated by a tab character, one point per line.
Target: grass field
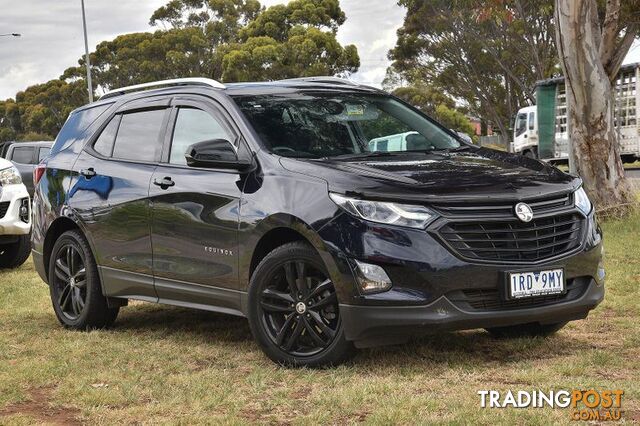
163	364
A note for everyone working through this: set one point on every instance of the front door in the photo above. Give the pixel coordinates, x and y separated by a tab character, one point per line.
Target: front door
195	214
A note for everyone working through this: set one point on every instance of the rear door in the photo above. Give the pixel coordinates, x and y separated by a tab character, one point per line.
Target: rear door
111	195
195	213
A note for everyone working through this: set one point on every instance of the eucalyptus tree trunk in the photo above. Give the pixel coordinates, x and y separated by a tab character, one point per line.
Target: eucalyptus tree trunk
594	139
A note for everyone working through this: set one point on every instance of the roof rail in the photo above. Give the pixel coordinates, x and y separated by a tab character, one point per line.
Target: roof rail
193	81
324	79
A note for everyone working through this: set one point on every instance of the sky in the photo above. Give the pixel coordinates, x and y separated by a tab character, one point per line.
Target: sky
52	37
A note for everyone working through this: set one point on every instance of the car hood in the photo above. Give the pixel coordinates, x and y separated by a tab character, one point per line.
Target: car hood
477	173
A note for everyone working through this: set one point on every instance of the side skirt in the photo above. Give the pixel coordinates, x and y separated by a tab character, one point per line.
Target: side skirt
118	284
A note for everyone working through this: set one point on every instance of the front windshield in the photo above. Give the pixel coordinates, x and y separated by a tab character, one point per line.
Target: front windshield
329	125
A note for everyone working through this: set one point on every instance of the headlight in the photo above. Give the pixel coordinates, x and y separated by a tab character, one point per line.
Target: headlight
581	200
10	176
389	213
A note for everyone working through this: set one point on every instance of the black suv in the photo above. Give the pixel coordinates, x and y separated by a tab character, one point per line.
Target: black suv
331	215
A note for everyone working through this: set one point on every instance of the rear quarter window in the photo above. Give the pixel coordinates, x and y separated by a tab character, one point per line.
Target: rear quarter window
73	130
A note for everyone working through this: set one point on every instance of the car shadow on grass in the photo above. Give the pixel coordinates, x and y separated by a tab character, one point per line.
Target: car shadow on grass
464	348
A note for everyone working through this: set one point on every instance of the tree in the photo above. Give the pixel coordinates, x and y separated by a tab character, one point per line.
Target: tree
593	39
488	54
142	57
39	112
228	40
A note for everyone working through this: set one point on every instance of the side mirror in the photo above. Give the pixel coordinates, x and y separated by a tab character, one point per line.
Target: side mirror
215	154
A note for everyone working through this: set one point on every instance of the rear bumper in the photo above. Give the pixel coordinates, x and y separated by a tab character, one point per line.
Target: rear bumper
379	325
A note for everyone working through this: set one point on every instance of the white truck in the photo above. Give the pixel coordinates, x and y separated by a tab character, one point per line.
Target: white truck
15	217
540	131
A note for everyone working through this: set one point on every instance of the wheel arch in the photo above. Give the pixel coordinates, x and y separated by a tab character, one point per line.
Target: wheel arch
277	230
57	228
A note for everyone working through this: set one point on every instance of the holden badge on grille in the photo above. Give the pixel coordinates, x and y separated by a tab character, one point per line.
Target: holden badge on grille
524	212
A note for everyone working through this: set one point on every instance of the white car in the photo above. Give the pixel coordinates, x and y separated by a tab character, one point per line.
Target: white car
15	217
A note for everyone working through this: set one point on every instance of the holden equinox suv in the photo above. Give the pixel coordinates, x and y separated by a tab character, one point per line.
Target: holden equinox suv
268	201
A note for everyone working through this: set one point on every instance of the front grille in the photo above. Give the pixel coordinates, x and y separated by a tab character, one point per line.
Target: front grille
3	208
491	299
539	206
513	241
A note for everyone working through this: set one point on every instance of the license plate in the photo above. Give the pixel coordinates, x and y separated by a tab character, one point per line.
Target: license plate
532	284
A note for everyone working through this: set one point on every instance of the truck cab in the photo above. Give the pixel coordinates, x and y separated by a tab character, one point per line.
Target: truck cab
525	132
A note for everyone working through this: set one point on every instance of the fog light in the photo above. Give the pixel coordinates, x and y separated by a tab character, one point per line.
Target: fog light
372	278
24	210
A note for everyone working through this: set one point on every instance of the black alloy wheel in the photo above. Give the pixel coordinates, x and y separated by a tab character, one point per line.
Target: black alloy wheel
300	309
70	280
74	284
293	309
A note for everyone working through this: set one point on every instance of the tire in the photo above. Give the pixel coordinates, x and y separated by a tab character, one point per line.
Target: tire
13	255
526	330
78	302
296	330
531	154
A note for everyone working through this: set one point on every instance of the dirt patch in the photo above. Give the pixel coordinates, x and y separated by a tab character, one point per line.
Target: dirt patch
38	406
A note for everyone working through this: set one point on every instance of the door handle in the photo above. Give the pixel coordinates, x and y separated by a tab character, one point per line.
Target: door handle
164	183
88	173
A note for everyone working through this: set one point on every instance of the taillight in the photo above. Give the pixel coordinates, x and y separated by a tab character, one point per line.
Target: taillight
38	172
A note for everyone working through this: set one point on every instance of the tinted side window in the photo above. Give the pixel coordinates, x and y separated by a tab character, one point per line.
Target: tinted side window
193	126
43	153
104	144
23	155
138	135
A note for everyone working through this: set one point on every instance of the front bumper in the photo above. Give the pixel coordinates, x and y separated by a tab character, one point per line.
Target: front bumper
436	290
379	325
12	197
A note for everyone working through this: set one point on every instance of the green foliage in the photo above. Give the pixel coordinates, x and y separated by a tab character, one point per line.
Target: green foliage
454	119
307	52
39	112
143	57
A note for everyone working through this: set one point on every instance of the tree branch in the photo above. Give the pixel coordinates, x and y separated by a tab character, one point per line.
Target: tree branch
612	67
610	31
